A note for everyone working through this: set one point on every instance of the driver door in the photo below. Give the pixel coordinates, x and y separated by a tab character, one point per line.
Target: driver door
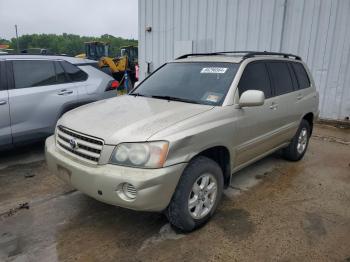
256	125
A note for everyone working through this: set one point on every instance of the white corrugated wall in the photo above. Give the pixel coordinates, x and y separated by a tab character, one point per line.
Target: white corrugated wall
317	30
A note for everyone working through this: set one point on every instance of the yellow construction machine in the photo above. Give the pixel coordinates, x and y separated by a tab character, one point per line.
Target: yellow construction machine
125	62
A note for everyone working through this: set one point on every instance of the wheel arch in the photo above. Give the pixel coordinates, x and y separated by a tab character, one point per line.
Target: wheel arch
221	155
309	117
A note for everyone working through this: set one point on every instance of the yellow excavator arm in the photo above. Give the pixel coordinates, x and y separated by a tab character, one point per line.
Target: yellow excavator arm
115	65
83	55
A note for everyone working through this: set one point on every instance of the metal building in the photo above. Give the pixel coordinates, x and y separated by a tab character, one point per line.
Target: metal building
317	30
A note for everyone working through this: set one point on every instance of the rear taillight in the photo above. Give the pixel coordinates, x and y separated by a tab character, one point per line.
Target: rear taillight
112	85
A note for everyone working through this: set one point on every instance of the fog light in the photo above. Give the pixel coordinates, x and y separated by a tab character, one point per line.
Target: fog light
127	191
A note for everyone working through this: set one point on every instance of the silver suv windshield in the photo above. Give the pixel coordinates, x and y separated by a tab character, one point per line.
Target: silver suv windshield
192	82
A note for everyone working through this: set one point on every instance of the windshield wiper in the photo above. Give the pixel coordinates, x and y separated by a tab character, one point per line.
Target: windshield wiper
136	94
172	98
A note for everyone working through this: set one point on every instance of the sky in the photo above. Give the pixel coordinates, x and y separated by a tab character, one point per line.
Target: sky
82	17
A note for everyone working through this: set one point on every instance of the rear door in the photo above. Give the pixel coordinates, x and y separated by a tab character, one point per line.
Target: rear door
5	121
304	95
40	91
256	126
287	116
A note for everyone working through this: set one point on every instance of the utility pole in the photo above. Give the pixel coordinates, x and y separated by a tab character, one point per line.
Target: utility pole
17	39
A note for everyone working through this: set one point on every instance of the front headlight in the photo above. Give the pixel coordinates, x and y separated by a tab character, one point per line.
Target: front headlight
147	154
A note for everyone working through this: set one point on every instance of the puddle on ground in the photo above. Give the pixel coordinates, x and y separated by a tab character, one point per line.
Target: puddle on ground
313	226
250	176
105	232
235	223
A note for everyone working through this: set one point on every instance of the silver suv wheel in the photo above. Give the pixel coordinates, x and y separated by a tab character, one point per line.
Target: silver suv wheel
197	194
302	140
203	195
297	147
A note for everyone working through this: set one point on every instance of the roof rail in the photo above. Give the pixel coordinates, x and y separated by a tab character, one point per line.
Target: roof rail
197	54
285	55
247	54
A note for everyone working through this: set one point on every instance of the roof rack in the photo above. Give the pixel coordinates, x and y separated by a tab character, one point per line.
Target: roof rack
285	55
247	54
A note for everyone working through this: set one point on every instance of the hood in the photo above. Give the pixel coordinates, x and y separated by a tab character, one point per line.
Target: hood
128	118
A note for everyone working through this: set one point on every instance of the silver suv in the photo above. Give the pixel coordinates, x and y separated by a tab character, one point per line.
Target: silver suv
173	143
36	90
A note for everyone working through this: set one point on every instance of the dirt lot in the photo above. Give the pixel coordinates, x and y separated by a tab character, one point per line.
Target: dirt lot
273	211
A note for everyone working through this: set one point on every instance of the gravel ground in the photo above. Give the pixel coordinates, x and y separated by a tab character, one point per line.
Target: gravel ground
274	211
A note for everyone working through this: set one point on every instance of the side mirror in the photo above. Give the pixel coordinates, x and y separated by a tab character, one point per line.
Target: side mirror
252	98
136	83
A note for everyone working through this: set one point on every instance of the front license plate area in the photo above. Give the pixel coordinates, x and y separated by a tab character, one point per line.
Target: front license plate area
63	173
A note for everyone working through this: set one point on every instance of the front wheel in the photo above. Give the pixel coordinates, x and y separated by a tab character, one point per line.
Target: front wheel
197	194
297	148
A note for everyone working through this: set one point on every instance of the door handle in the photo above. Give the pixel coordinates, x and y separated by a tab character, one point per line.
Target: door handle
299	97
273	106
3	102
65	92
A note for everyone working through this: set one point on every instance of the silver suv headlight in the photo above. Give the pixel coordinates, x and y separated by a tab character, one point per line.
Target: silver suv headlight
147	154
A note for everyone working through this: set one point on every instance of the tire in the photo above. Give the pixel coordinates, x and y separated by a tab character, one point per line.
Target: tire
295	151
200	170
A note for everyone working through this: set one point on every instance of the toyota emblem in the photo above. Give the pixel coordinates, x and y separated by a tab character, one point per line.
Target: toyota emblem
73	144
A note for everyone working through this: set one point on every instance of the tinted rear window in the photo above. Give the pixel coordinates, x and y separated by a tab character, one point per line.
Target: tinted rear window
200	82
61	75
73	72
31	73
255	77
281	77
302	77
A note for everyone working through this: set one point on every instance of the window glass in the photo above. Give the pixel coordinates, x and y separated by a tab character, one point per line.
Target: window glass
302	77
73	72
61	75
30	73
197	82
281	77
293	77
255	77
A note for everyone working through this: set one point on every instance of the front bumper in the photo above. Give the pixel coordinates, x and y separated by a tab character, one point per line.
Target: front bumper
154	187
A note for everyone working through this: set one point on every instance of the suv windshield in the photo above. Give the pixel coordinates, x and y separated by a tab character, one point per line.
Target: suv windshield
193	82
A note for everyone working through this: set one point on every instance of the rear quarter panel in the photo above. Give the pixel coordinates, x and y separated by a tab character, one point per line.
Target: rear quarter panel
94	87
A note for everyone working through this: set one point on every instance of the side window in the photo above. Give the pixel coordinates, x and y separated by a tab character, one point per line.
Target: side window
293	76
73	72
255	77
31	73
60	74
280	77
302	77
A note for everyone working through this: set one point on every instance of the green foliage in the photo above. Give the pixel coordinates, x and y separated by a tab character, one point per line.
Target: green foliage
4	41
68	44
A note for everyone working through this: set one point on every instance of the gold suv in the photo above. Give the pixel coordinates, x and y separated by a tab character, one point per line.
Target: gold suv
173	143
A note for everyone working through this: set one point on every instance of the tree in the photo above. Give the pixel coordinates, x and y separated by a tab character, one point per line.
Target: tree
69	44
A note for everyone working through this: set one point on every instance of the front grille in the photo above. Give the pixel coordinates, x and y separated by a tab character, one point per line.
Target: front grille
82	146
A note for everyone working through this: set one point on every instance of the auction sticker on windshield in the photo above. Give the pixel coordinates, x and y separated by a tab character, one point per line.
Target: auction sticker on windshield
213	70
212	97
